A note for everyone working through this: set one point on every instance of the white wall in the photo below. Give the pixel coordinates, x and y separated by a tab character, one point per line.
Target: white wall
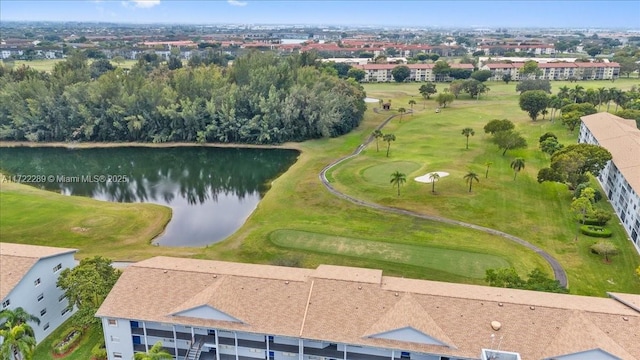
117	339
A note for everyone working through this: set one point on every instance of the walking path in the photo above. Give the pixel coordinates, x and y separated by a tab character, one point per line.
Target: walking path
558	271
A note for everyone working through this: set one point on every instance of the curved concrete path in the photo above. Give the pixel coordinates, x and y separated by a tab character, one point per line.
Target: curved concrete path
558	271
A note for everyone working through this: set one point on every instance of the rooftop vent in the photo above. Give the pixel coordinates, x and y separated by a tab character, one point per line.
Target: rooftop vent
495	325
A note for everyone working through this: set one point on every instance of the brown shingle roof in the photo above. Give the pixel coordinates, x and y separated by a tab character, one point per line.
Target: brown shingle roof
17	259
622	138
348	305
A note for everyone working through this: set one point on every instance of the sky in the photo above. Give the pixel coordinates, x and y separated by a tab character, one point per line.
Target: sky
416	13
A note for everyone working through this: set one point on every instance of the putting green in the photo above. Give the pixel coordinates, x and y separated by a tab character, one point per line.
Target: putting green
381	174
462	263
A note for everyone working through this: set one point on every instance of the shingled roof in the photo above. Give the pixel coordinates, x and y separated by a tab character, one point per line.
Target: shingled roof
17	259
355	306
622	138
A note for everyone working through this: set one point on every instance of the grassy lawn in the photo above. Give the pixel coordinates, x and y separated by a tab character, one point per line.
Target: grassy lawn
90	338
536	212
299	218
47	64
33	216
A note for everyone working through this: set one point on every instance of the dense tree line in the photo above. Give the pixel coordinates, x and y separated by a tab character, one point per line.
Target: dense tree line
261	99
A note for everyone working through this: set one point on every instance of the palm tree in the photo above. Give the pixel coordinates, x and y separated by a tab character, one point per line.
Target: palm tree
155	353
434	176
402	111
488	165
517	164
411	103
377	134
380	102
577	93
603	96
563	92
17	317
468	132
17	339
388	138
613	93
470	177
618	97
397	179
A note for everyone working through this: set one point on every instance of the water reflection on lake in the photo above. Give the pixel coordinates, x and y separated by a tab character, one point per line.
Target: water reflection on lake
211	191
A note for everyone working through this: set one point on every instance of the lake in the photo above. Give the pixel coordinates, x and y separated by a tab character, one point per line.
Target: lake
211	191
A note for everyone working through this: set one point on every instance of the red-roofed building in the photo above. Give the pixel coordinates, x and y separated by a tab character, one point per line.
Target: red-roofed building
419	72
558	71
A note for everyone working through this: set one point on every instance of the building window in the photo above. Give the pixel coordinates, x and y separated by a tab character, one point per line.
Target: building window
112	322
115	339
37	282
62	297
6	303
43	312
65	311
46	326
117	355
40	297
57	268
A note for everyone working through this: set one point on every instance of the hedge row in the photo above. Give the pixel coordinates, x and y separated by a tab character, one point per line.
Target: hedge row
595	231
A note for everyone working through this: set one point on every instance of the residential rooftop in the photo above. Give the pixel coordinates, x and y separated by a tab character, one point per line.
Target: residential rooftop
354	306
17	259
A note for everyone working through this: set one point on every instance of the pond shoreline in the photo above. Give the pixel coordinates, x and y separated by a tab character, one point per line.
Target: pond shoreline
97	145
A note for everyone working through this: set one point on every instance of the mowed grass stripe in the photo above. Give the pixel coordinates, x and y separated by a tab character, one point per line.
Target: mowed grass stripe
462	263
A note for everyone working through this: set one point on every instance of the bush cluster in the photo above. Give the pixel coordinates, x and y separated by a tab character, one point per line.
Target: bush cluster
595	231
67	341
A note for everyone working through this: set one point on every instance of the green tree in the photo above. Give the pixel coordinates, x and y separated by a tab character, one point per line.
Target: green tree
441	70
530	84
604	248
504	277
571	119
434	176
397	179
470	177
550	145
496	125
355	73
401	73
488	165
577	93
99	67
506	78
533	102
155	353
411	103
530	69
388	138
119	60
428	89
444	98
468	132
572	163
17	340
517	164
17	317
174	62
377	134
401	111
87	285
507	140
481	75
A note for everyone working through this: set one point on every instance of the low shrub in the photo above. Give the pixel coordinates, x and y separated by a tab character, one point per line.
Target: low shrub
67	342
595	231
99	351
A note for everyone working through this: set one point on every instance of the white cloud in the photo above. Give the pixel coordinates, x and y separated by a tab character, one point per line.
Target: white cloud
143	3
236	3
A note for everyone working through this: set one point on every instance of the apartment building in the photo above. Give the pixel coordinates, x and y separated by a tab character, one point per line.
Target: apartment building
419	72
620	179
202	309
558	71
28	276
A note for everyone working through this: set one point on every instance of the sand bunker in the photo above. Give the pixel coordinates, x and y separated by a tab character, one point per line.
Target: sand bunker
427	179
371	100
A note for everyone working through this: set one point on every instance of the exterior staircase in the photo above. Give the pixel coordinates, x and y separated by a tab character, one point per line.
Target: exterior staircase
195	350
